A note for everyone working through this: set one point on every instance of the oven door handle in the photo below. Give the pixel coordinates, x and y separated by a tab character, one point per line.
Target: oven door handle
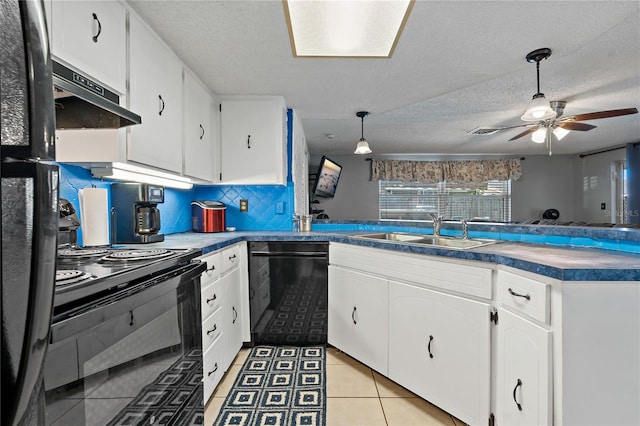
128	299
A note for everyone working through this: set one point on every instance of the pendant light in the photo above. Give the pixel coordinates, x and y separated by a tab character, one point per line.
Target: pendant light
539	108
362	147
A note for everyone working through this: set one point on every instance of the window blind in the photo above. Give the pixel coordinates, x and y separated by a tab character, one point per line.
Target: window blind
487	201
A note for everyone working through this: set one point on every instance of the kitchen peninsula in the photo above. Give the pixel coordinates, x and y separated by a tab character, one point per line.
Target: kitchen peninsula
539	333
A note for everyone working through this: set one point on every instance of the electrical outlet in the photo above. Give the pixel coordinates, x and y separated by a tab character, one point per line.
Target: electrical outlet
280	207
244	205
603	206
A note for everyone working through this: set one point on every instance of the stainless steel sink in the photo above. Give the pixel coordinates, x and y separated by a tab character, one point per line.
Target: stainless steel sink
392	236
428	240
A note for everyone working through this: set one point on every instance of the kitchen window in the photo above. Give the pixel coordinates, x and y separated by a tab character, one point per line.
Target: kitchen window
487	201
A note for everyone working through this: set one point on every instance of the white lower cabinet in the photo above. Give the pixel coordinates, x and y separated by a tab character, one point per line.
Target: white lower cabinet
358	316
232	319
524	383
439	349
222	313
213	362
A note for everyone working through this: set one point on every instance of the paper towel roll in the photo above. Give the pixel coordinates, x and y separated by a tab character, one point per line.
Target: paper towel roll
94	216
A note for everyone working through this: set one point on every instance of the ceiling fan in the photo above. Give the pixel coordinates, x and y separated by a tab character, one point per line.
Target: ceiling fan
543	117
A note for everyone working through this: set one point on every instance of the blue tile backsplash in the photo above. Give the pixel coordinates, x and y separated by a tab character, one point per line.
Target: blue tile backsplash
270	206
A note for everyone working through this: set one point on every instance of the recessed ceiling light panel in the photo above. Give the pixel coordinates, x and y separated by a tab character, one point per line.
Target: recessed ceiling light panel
340	28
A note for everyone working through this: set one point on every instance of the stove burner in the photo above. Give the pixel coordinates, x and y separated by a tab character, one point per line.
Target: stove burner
81	253
68	276
140	254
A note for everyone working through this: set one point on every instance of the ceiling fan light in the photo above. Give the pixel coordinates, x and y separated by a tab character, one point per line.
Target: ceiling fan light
560	132
540	135
538	109
362	147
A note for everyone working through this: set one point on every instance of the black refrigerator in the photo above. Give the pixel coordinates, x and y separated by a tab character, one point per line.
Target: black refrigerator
29	208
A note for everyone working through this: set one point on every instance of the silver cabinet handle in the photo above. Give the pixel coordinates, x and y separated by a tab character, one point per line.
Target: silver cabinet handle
212	299
353	315
429	346
215	327
202	134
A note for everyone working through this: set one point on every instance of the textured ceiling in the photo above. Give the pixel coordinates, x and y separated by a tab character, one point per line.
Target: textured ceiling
458	65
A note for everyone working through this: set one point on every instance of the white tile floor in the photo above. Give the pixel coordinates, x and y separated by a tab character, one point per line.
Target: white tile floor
356	396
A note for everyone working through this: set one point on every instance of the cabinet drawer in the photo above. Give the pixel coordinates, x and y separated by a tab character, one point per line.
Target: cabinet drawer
230	258
214	265
212	368
211	329
525	295
211	299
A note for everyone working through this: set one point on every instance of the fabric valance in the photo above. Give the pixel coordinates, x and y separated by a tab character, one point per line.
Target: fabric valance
451	171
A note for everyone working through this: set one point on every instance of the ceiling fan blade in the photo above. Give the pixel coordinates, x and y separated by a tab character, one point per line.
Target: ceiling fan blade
525	133
601	114
572	125
491	130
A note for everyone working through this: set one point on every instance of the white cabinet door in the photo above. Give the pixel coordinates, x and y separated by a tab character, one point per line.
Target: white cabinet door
156	94
91	36
358	316
253	140
524	372
233	317
439	348
198	130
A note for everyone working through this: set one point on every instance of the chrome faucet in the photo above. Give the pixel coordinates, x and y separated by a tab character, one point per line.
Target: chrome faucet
465	230
437	222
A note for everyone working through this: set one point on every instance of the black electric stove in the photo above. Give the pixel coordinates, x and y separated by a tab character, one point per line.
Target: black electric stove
85	274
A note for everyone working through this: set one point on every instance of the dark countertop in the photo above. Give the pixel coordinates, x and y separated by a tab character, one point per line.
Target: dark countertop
560	262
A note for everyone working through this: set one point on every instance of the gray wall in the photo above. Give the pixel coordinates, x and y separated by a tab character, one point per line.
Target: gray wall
356	197
593	185
547	182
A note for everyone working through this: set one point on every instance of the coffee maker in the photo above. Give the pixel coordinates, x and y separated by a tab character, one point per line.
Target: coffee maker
135	217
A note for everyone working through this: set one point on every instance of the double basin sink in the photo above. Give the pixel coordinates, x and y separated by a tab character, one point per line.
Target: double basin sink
428	240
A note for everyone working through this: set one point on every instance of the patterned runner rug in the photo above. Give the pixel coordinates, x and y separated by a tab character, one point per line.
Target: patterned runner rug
278	386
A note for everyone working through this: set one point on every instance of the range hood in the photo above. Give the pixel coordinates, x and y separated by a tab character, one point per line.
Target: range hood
82	103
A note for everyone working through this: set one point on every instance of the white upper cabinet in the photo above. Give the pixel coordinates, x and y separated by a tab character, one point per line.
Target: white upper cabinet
199	130
253	140
91	37
156	94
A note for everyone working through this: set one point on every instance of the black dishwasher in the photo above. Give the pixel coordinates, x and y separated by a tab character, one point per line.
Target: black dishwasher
288	292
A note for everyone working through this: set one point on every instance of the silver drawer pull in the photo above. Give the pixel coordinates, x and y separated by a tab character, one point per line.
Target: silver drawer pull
213	267
525	296
215	368
215	327
212	299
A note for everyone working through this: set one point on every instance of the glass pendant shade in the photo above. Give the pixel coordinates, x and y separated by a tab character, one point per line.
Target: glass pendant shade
560	132
540	135
538	109
362	147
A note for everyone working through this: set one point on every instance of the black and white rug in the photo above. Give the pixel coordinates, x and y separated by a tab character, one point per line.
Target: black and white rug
278	386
